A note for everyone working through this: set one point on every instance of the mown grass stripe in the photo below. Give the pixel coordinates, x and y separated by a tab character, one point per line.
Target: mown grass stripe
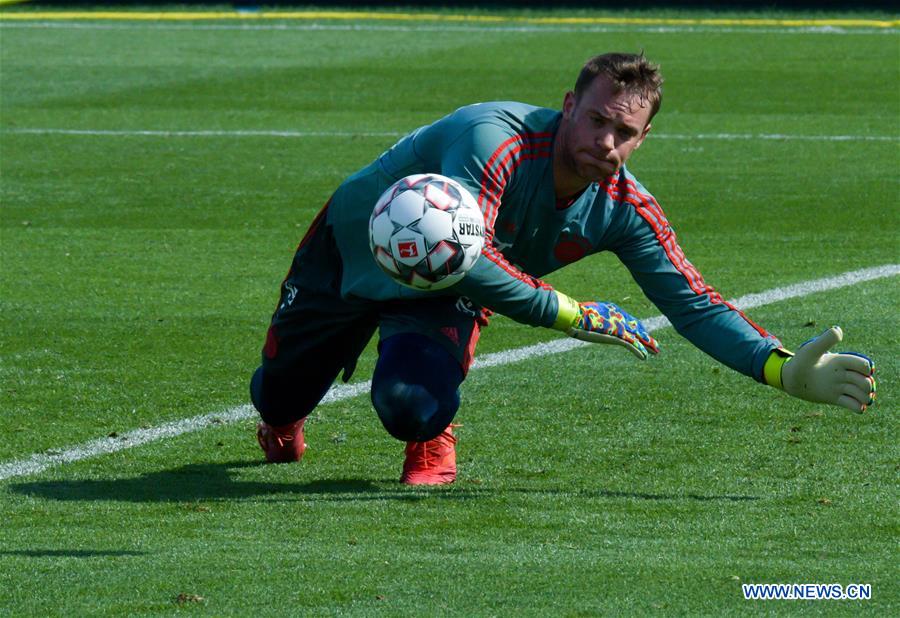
302	134
436	17
41	461
200	133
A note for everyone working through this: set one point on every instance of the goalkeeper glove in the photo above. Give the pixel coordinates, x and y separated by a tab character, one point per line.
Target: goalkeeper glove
814	374
601	322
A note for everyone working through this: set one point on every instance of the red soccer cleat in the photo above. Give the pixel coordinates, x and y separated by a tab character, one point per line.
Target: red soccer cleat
282	444
432	462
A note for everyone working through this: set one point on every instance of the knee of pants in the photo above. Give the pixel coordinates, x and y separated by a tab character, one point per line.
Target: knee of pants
412	412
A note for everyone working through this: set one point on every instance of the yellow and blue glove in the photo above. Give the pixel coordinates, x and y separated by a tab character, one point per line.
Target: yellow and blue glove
602	322
815	374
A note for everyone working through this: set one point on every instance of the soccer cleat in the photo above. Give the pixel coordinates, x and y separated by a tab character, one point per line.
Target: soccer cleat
432	462
281	444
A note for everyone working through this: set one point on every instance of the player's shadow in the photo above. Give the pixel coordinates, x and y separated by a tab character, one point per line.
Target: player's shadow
639	495
210	482
206	482
69	553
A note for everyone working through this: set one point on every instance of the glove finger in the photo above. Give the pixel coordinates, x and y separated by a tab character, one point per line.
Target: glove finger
632	345
631	338
817	346
861	396
854	361
635	347
624	335
649	343
638	349
851	404
641	333
864	383
872	390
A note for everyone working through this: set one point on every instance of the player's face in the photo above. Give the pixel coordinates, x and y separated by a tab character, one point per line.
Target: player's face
601	130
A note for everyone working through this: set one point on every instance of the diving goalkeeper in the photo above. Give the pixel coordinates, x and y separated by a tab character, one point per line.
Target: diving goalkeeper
553	188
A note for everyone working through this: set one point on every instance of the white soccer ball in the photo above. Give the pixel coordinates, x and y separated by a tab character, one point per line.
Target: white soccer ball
426	231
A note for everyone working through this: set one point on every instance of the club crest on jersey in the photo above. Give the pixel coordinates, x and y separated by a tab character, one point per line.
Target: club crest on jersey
571	247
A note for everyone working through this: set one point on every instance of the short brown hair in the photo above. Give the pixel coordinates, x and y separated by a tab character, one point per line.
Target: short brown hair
631	74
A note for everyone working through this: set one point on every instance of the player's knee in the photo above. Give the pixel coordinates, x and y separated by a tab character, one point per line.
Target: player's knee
412	412
415	387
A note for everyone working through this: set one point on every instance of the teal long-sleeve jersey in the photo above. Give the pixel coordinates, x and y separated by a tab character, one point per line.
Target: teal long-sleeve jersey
502	152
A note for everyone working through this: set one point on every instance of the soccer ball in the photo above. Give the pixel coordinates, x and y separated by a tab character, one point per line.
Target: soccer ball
426	231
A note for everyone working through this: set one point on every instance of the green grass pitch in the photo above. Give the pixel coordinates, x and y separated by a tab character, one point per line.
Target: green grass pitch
139	271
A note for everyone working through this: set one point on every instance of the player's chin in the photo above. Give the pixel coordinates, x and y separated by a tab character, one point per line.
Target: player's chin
598	175
595	172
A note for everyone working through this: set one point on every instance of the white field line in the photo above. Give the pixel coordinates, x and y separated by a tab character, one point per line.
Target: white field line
307	134
451	28
39	462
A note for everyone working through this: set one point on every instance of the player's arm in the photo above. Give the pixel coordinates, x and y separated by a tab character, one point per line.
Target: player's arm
649	248
484	159
641	237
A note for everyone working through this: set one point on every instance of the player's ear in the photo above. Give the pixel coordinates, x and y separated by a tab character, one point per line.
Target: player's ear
568	104
643	135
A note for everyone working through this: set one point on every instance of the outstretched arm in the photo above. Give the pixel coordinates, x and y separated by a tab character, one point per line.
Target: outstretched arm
696	310
651	252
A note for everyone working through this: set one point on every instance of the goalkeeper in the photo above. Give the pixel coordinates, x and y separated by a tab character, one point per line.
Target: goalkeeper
553	188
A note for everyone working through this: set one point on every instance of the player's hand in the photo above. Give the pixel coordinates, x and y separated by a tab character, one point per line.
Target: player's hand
601	322
843	379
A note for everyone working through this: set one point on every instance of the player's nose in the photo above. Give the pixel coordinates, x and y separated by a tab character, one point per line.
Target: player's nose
605	140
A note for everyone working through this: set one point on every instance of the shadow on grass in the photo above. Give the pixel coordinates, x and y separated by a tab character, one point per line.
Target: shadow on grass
645	496
68	553
198	482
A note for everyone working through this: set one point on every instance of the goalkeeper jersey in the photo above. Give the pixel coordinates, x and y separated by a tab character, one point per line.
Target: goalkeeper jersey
502	152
